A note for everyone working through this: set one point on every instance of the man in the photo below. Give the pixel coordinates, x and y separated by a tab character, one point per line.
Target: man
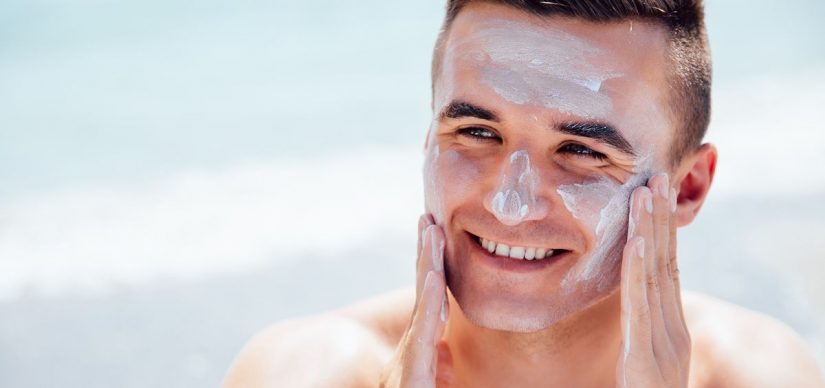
565	150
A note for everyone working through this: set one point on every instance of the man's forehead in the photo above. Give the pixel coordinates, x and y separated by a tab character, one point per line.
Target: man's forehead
630	37
549	67
589	70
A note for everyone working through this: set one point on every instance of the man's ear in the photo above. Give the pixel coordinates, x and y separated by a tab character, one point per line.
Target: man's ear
692	183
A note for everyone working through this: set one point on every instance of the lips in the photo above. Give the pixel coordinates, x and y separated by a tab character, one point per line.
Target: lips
517	252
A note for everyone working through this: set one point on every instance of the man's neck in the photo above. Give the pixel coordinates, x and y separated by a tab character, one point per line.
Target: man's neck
580	351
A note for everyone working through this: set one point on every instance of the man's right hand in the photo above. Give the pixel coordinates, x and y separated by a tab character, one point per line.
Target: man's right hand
416	357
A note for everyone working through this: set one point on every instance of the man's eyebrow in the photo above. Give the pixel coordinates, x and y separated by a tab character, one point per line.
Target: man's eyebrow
601	132
460	109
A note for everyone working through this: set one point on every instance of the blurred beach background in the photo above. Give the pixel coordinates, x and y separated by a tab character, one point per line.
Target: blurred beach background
175	175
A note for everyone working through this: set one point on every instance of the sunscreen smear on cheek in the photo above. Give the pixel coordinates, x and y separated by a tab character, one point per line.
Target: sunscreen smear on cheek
602	205
449	179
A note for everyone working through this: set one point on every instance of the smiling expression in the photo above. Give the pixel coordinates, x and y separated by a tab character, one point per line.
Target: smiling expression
542	127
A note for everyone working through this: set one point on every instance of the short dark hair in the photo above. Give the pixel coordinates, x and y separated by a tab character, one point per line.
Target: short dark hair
690	80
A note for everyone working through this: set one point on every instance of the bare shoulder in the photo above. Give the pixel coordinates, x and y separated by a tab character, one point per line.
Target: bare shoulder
736	347
343	348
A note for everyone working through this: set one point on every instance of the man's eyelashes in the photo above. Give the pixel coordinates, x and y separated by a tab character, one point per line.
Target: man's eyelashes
481	135
582	150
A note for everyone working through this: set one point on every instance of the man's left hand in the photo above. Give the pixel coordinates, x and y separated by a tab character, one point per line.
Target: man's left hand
655	341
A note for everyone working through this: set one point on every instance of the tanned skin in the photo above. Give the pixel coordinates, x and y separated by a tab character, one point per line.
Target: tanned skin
645	332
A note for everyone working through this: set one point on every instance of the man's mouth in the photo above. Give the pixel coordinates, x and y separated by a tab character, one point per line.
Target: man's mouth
517	252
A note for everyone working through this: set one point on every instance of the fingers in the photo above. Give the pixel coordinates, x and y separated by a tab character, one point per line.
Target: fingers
654	333
423	222
645	255
430	312
674	264
659	264
667	271
634	271
635	310
656	261
431	264
431	257
671	287
425	331
421	267
660	190
646	229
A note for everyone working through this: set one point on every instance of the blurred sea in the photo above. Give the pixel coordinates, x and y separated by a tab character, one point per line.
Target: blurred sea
177	175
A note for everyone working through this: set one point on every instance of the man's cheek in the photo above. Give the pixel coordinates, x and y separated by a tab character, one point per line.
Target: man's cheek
601	206
449	182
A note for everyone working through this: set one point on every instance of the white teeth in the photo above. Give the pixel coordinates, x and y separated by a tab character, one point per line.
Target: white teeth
519	253
502	250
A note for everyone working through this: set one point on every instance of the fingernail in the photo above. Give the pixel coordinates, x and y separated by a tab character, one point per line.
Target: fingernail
648	199
673	197
444	308
664	186
640	247
436	251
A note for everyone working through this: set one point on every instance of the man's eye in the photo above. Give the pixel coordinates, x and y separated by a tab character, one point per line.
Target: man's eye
580	150
478	134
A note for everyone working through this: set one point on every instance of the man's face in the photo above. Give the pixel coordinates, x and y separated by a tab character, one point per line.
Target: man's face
542	128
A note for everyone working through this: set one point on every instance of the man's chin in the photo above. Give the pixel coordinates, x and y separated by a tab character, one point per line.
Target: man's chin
499	313
525	315
521	324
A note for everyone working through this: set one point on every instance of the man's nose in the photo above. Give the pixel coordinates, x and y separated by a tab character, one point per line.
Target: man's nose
517	198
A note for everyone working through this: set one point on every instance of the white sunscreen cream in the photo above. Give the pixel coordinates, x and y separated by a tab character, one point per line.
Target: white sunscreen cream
524	64
432	199
608	222
514	200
